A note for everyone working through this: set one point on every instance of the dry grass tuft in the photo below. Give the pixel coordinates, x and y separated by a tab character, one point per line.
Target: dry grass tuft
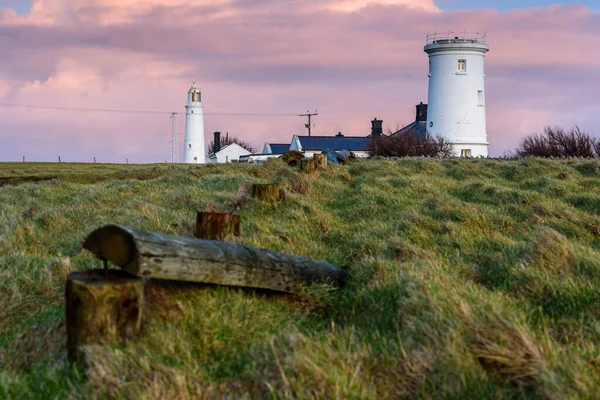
551	251
399	249
31	211
242	197
32	344
185	228
292	157
565	176
59	268
507	351
158	302
300	184
114	374
594	229
400	377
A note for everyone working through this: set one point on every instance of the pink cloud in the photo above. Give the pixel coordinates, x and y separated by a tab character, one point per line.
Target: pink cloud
272	57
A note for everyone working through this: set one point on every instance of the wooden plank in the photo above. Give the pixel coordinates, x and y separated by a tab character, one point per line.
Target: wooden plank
156	255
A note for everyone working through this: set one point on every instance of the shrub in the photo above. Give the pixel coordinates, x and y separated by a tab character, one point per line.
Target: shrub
410	144
556	142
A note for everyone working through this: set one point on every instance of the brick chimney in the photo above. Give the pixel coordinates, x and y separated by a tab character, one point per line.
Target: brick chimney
421	113
376	128
217	142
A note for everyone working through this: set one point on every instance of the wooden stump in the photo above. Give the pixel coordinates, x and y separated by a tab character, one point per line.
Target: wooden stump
321	160
308	166
268	193
156	255
102	306
216	226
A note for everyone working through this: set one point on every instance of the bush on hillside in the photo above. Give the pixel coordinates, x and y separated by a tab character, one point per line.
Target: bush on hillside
557	142
410	144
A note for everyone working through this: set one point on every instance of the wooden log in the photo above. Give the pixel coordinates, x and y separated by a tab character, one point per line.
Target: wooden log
321	160
308	166
156	255
102	306
268	193
217	226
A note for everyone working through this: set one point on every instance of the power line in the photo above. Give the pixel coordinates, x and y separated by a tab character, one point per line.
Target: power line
81	109
124	111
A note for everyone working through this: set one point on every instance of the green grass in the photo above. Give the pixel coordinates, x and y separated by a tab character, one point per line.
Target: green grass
467	279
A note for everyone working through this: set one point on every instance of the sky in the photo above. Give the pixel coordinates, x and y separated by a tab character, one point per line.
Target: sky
352	60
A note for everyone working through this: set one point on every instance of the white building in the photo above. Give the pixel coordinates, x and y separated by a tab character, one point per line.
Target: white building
226	154
456	91
194	128
311	145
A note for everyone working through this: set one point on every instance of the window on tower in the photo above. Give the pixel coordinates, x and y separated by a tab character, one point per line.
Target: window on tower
189	146
480	100
462	66
465	153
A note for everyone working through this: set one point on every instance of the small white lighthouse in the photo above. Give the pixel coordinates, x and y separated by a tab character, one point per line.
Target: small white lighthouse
456	91
194	128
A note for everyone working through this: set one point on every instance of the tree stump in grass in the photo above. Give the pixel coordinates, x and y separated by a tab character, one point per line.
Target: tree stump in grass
102	306
308	166
268	193
216	226
321	160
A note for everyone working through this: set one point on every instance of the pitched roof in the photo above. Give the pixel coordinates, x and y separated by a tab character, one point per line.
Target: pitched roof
226	146
279	148
419	128
333	143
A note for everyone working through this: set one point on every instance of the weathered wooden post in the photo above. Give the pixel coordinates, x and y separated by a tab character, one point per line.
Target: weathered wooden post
321	160
94	160
23	158
268	193
102	306
216	226
156	255
59	159
308	166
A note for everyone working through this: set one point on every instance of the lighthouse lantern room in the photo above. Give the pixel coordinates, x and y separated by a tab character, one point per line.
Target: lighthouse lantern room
194	152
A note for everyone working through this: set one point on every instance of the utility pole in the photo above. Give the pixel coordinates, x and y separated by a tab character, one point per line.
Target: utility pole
309	115
174	139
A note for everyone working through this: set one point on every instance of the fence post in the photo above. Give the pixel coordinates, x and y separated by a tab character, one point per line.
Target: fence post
127	161
23	158
58	158
94	160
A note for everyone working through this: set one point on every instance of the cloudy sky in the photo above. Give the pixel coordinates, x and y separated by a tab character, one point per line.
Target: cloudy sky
352	60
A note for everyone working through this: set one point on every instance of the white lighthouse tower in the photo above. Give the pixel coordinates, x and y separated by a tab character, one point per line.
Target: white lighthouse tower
194	128
456	91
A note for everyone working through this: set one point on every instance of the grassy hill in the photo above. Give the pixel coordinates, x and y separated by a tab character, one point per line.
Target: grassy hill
468	279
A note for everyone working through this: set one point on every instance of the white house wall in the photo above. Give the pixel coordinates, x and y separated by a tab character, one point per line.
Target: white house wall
230	153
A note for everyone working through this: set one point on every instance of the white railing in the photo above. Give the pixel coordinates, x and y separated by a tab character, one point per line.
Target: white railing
452	37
